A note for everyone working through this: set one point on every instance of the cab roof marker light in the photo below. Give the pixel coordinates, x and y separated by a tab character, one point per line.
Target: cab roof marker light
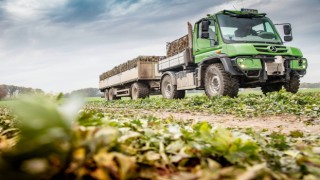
254	11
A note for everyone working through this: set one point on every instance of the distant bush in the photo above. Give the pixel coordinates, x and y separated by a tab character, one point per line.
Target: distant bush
3	92
87	92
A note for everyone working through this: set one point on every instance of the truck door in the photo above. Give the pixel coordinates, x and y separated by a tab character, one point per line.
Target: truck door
203	47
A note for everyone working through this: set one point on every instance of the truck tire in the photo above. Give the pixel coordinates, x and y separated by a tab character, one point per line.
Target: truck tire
219	83
139	90
112	96
106	95
181	94
169	91
271	88
293	84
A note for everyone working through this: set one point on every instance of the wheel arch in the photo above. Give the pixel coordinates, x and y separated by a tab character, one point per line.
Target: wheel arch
172	75
224	59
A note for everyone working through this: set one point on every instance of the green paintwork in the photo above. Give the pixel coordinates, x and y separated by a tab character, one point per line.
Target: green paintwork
233	50
203	48
295	65
249	63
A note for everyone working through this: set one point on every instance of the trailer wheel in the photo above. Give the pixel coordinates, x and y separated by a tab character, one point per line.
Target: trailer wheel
293	84
139	90
106	95
112	96
219	82
169	91
271	88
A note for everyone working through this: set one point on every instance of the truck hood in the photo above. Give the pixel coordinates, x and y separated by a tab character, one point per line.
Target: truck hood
240	49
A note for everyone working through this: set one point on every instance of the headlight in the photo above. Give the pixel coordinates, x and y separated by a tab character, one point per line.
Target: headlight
300	64
249	63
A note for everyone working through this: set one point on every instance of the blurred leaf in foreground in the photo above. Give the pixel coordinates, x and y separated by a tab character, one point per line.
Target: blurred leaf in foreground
45	133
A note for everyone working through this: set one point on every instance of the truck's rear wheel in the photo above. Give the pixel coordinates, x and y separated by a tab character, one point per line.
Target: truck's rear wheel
111	94
139	90
106	95
169	91
271	88
293	84
218	82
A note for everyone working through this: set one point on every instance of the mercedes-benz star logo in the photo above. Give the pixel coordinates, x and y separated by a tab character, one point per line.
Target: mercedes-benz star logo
273	48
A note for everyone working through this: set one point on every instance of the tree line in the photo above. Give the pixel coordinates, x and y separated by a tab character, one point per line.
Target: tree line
86	92
310	85
10	91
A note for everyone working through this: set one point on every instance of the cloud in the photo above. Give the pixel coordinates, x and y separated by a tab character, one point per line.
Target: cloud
79	10
63	45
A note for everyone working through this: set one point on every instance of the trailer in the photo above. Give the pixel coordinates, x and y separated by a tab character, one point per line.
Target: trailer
137	78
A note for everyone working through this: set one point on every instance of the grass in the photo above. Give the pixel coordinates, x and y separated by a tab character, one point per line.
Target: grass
7	103
198	93
103	143
255	91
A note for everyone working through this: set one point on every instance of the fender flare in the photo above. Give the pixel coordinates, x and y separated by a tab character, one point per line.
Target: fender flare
224	59
172	75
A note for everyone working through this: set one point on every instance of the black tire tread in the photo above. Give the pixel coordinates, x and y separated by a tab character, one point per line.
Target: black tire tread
271	88
230	83
293	84
175	94
143	90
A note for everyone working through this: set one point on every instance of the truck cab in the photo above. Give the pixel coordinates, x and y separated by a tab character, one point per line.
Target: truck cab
254	47
239	49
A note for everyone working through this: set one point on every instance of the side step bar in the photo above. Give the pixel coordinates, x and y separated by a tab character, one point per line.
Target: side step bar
123	92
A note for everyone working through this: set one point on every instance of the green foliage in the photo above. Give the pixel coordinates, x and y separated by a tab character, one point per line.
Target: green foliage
56	140
305	104
296	134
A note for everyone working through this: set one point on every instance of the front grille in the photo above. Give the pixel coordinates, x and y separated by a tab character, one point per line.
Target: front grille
266	49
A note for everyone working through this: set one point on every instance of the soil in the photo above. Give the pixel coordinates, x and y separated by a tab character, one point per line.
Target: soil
279	123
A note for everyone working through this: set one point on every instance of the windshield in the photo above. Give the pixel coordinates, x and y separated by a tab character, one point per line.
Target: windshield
247	29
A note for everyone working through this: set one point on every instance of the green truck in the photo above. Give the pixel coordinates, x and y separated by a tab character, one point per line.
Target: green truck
224	52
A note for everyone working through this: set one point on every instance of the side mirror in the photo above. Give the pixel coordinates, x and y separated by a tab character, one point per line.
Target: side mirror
205	25
288	38
205	35
287	29
287	32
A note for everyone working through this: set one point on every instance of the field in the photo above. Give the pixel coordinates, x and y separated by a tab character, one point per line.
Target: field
249	137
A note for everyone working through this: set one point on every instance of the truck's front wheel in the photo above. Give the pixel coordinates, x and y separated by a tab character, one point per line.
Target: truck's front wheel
293	84
218	82
139	90
169	91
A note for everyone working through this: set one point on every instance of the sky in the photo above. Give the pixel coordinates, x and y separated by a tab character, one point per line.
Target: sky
64	45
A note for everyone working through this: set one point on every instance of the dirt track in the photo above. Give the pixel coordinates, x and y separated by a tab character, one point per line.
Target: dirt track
283	123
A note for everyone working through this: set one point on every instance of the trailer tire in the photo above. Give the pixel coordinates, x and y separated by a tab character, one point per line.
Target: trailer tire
112	96
219	83
106	95
139	90
293	84
169	91
271	88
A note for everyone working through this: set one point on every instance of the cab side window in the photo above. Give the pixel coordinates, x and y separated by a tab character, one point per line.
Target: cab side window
212	30
199	29
212	33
